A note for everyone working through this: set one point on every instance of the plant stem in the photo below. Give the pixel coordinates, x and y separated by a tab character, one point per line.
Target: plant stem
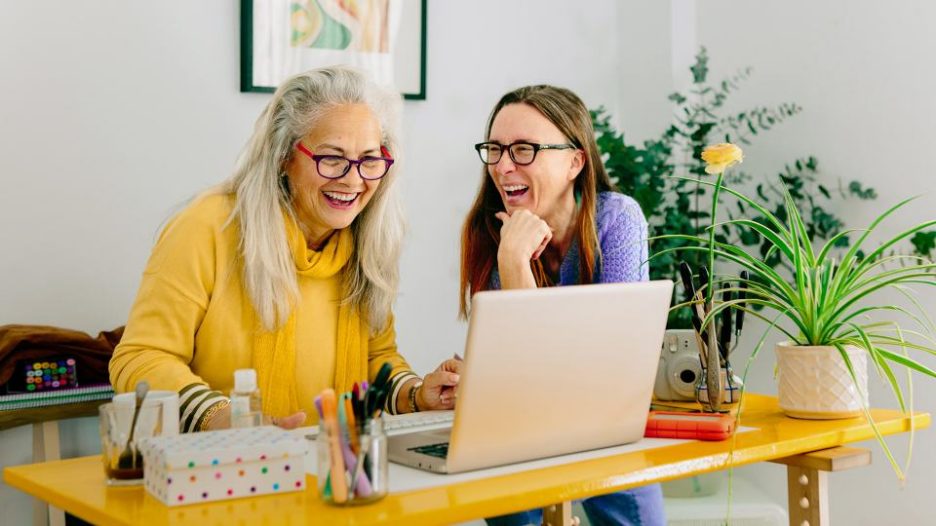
711	239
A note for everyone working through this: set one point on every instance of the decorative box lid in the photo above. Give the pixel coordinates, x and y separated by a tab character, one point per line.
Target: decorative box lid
228	446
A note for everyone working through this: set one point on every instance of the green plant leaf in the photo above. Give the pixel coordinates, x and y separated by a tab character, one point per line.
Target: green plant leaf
924	242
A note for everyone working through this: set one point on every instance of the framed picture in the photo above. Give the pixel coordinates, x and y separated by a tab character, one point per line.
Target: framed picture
386	38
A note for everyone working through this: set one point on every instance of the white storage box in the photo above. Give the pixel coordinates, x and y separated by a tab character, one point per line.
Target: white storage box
228	464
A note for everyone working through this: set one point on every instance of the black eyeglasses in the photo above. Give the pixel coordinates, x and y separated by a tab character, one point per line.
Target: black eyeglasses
521	152
370	168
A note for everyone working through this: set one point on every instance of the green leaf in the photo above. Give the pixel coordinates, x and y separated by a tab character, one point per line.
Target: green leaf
924	242
862	193
677	97
700	68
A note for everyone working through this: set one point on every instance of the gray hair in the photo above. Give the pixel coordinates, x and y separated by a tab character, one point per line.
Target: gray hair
371	277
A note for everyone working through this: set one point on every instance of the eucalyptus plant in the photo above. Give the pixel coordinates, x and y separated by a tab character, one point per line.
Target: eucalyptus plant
681	205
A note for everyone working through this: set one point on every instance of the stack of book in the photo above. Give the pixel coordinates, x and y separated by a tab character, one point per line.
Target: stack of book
57	397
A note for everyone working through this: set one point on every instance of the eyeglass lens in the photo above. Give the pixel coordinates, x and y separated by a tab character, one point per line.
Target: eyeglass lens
520	153
334	166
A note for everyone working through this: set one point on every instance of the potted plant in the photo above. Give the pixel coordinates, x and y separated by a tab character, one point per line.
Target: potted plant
824	306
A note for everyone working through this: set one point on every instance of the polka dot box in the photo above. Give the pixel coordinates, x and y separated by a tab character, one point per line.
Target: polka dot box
219	465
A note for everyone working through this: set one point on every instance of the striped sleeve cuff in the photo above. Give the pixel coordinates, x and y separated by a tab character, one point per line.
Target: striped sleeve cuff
396	385
195	401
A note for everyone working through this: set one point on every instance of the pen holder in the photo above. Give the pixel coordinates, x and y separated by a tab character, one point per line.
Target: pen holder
343	479
731	387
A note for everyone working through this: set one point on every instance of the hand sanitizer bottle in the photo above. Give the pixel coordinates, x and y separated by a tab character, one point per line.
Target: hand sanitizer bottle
246	410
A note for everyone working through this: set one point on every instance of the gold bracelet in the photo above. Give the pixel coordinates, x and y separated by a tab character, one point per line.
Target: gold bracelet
211	412
412	396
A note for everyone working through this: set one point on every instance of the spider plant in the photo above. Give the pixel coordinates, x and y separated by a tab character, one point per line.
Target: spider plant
828	300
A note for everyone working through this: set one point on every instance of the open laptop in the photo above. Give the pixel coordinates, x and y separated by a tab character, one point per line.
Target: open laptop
547	372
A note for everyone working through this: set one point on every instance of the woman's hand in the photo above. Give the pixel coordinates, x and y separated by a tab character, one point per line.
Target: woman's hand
438	388
524	236
289	422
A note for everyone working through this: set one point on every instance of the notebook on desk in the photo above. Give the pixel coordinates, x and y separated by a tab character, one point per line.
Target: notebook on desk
547	372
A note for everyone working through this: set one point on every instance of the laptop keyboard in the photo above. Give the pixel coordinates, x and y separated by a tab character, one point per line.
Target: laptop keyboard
400	424
433	450
393	424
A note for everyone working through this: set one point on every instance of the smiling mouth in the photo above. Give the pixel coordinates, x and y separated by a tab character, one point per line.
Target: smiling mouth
341	199
515	190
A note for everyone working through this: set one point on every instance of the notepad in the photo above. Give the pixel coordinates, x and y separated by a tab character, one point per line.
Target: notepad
57	397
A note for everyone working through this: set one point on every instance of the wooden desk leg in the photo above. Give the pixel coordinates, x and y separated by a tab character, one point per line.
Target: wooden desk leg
559	515
46	447
807	481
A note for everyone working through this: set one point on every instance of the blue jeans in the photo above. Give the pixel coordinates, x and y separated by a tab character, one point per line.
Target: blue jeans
635	507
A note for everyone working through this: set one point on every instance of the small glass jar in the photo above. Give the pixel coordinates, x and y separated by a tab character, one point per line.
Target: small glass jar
356	484
122	427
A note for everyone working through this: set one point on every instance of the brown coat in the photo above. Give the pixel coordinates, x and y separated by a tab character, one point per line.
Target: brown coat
39	342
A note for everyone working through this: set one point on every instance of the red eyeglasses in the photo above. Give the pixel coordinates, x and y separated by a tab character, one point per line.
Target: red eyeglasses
369	168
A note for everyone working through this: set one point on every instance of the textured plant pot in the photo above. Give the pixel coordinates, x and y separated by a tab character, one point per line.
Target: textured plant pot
814	382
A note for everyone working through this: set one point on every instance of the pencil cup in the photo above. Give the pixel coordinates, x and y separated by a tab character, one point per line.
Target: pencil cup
342	479
731	387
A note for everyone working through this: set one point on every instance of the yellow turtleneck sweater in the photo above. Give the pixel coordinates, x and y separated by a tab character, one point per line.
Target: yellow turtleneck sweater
193	322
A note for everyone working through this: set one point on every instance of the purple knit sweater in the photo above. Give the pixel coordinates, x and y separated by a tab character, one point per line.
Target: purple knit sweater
622	234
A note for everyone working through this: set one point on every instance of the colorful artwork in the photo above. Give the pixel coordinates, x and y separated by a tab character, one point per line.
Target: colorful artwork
386	38
353	25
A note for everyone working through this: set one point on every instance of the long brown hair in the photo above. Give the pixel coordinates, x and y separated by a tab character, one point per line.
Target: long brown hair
481	231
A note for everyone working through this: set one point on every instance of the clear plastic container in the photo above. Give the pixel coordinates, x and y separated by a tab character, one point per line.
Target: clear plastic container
246	406
341	480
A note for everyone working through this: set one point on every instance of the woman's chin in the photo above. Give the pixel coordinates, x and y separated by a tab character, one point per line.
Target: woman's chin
511	208
340	218
341	223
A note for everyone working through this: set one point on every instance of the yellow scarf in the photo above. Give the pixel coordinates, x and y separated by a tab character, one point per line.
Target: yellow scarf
274	355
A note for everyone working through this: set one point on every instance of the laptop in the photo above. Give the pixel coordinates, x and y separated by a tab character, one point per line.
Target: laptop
548	372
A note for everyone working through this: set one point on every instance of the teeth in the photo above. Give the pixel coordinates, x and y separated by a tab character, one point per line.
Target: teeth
340	197
515	187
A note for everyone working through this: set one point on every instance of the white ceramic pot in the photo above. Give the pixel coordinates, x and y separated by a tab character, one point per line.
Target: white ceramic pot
814	382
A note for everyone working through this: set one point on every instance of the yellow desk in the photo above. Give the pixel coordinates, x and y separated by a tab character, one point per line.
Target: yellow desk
77	485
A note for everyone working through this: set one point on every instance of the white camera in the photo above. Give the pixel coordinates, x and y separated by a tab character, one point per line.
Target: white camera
679	370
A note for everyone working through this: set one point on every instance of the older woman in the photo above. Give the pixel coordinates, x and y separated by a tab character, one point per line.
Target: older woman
289	267
546	215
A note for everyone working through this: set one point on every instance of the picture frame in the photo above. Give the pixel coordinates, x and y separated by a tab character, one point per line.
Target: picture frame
279	38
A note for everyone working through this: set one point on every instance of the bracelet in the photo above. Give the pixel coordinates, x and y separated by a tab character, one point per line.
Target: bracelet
210	413
412	396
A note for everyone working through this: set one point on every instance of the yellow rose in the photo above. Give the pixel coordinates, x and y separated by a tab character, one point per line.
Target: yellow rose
719	157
